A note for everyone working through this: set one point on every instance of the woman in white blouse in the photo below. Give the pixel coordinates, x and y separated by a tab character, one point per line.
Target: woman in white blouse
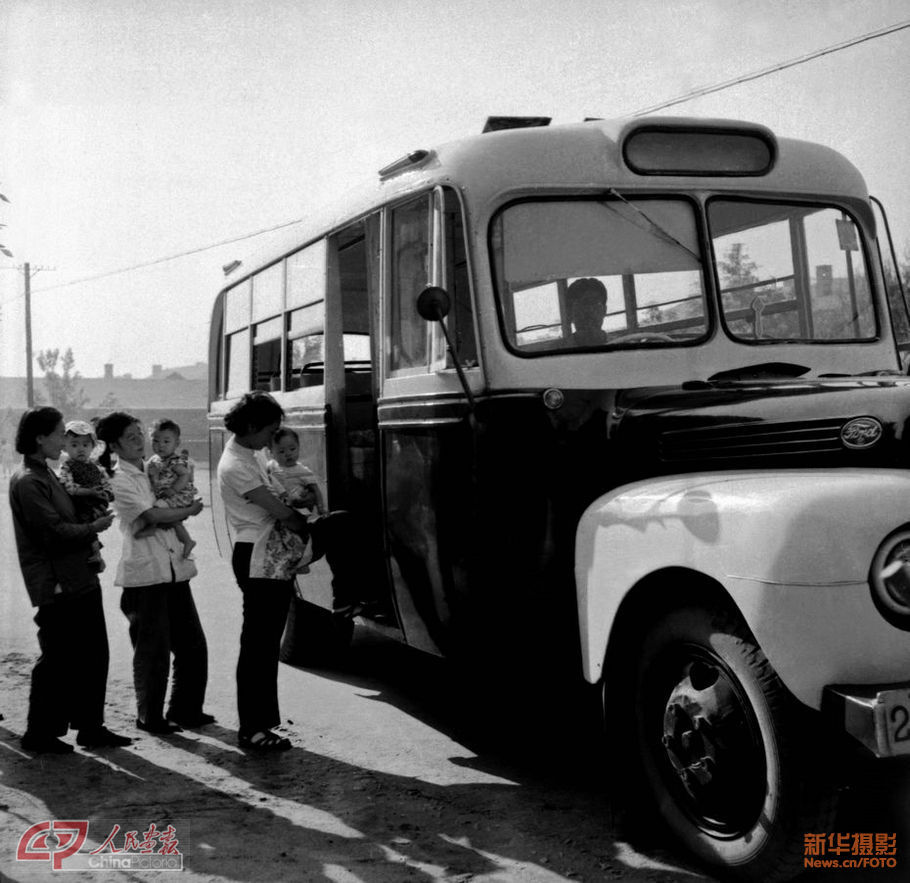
157	600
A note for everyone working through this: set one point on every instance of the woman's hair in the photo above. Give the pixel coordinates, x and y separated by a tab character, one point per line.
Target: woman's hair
254	411
35	422
110	429
284	432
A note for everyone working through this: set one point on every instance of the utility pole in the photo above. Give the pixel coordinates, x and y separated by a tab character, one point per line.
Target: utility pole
29	373
29	378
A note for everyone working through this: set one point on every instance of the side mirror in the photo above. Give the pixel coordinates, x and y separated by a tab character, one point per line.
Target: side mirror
433	303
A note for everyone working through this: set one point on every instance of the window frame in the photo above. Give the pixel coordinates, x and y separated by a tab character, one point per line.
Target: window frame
876	333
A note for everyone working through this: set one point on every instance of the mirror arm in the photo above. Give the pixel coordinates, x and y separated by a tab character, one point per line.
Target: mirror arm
451	348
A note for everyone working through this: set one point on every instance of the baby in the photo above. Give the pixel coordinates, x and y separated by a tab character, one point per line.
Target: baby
170	473
298	481
84	480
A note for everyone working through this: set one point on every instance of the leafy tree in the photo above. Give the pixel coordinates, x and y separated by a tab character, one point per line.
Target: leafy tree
64	391
736	267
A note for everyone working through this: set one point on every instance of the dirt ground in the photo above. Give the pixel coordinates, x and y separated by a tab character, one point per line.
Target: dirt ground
398	771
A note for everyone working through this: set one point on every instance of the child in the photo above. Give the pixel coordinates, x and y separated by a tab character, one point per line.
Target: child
171	476
298	482
85	481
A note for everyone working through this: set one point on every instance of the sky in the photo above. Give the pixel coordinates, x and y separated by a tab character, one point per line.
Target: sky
132	132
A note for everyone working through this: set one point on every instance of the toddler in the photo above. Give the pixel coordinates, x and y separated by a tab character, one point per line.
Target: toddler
298	481
170	473
84	480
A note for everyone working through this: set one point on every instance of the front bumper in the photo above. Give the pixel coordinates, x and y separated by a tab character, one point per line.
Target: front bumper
876	715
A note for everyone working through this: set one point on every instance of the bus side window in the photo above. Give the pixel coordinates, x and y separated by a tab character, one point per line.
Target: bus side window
457	283
306	282
410	275
237	340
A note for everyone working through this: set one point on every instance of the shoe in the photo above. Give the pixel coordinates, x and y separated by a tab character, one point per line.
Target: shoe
101	737
158	727
191	721
264	741
44	744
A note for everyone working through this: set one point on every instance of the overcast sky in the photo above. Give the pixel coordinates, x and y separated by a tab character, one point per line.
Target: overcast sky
136	130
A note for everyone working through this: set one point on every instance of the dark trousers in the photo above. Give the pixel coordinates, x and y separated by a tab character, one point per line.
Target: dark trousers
336	537
70	678
163	621
265	610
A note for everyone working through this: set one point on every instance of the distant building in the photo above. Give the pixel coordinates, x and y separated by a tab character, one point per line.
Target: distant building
179	393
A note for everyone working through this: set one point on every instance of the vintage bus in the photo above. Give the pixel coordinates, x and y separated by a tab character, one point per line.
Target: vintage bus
618	401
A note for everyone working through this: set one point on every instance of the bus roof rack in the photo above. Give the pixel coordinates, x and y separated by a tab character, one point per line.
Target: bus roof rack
496	124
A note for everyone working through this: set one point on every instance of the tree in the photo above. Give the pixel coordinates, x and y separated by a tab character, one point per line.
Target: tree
737	268
64	391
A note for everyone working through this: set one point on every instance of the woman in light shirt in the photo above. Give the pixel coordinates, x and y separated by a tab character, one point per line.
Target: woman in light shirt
157	599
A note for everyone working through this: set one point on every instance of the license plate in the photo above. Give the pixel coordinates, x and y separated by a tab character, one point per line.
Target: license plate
892	722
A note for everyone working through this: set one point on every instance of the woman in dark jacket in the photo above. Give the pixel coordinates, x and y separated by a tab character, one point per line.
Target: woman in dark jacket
70	678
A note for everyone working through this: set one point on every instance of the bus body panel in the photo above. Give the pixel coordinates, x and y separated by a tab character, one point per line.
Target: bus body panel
792	549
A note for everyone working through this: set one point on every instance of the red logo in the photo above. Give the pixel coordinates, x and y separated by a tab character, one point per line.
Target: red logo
68	836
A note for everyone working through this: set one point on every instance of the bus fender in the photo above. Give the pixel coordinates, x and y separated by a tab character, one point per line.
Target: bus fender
792	549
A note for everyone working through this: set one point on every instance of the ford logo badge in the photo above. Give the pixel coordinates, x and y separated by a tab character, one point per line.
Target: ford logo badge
860	433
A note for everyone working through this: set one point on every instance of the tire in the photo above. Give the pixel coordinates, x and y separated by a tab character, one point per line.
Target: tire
721	748
313	636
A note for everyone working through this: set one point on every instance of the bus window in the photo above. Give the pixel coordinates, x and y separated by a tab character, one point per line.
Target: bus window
237	363
409	353
267	355
644	252
306	282
790	272
457	284
268	293
305	347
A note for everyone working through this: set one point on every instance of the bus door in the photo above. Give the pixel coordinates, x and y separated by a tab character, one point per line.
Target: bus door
352	320
426	441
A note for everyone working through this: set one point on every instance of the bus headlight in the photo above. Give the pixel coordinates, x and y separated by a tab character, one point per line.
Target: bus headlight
889	578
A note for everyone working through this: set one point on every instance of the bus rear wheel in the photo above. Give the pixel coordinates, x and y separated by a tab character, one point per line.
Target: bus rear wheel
718	746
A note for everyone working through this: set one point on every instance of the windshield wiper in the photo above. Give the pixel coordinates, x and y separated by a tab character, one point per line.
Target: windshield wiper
666	234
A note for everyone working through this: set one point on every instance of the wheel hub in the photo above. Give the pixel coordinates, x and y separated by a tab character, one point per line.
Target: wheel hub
713	747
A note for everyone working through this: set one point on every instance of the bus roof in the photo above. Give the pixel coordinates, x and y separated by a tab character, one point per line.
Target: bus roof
570	157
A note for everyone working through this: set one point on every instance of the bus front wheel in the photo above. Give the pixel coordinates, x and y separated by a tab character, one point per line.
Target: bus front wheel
718	746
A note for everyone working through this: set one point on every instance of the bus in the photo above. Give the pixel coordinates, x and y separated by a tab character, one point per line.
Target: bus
619	403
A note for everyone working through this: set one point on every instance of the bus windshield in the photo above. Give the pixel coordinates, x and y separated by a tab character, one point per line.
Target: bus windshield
579	273
790	272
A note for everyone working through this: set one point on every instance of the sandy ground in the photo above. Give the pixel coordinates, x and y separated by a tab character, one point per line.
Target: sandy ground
397	771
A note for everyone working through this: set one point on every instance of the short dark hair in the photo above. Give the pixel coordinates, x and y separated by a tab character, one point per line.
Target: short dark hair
285	431
588	285
35	422
254	411
110	428
165	424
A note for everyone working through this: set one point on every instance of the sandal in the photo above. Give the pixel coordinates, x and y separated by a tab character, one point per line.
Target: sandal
263	740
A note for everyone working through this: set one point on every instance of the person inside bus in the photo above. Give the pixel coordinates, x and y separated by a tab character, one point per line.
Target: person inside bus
586	299
252	510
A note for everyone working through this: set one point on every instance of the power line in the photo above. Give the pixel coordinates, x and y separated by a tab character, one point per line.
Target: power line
688	96
167	258
764	72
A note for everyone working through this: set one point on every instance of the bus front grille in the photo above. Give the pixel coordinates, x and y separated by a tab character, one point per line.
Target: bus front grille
744	441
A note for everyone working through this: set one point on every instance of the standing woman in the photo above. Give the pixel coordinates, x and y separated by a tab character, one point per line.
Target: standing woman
157	600
252	510
70	678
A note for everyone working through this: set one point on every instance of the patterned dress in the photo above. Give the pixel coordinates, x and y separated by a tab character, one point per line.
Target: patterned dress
163	472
